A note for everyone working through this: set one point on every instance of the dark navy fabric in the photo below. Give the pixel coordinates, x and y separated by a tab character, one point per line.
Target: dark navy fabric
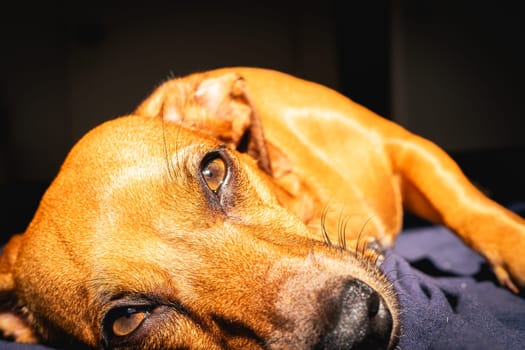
449	297
4	345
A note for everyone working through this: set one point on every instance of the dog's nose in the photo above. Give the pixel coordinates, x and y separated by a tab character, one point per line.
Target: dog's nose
361	320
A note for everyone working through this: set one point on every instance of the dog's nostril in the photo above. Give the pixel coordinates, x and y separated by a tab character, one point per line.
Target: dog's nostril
363	321
374	302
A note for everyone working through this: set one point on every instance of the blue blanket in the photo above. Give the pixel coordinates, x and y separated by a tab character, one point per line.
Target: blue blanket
448	295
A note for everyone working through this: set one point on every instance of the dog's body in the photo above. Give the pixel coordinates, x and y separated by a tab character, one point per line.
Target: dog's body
198	223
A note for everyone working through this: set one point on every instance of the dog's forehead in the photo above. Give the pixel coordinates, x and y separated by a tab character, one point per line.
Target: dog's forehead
131	160
145	163
127	138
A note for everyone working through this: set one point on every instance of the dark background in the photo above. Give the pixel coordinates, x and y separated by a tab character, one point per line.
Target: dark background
450	71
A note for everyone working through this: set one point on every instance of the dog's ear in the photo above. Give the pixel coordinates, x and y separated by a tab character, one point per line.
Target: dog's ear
13	324
217	105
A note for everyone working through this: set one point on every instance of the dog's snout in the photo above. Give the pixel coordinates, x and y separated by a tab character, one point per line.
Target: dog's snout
357	319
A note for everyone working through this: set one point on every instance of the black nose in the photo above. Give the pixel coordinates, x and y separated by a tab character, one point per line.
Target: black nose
363	320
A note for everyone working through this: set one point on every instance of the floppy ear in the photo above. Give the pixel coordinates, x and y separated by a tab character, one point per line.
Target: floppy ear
216	105
13	323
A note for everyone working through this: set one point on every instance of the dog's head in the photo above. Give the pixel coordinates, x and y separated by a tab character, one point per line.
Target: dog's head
165	229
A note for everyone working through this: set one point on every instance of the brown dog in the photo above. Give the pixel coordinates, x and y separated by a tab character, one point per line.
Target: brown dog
217	216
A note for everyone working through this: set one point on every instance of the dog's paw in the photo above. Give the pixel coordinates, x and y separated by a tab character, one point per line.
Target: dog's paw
505	279
509	266
502	243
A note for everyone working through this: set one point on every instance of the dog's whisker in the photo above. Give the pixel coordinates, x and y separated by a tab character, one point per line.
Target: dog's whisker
326	238
169	165
367	260
171	75
363	248
356	249
376	260
177	137
370	261
345	225
340	233
359	237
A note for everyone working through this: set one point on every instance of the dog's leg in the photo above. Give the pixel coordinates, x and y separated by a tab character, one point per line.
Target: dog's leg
435	188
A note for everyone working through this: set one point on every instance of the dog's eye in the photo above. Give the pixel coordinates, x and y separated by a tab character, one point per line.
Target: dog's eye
128	320
214	172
